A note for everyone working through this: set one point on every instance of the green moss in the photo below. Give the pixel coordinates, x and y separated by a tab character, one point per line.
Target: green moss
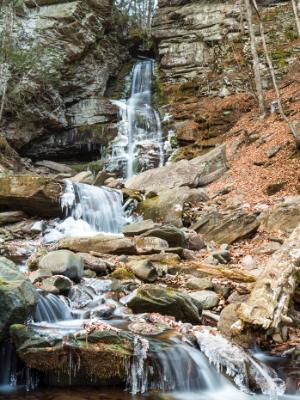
122	274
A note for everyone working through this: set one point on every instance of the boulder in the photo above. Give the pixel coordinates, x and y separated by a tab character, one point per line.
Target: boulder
138	228
199	283
100	244
150	245
96	264
18	296
226	227
282	217
83	177
206	298
55	167
10	217
34	195
168	205
60	283
197	172
63	262
143	269
166	301
100	356
174	236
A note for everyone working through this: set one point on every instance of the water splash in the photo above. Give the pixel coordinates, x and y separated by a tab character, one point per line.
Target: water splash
51	308
139	144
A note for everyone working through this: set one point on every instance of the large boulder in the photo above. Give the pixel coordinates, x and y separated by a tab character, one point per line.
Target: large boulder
99	357
63	262
35	195
168	205
138	227
18	296
200	171
226	227
282	217
166	301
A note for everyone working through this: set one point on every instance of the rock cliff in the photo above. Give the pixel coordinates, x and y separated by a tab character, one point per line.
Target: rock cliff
64	56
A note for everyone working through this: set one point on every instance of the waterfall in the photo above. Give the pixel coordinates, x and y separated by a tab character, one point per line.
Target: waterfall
139	144
51	308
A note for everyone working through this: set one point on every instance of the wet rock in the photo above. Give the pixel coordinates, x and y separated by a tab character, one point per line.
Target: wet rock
199	283
104	355
61	283
18	296
206	298
226	227
105	244
138	228
10	217
63	262
151	298
200	171
283	217
150	245
174	236
34	195
144	270
168	206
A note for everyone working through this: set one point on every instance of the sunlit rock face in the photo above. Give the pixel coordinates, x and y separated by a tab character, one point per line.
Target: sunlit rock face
68	52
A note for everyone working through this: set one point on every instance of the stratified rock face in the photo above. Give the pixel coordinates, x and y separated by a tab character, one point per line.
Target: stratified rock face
35	195
72	49
189	32
17	296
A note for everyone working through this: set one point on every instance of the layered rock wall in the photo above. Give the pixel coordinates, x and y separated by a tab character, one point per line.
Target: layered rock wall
63	57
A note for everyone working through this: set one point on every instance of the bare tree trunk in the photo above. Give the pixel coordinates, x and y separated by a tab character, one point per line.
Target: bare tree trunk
295	9
149	13
257	76
273	76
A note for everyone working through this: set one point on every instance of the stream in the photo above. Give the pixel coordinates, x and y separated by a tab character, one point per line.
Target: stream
168	364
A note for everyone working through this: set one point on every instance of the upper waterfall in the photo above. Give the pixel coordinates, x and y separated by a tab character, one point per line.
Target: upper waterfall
139	144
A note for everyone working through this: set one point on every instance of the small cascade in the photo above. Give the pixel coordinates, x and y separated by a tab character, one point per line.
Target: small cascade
99	209
139	144
51	308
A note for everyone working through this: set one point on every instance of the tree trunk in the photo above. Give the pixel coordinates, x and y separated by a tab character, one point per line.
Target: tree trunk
273	76
269	301
295	9
257	76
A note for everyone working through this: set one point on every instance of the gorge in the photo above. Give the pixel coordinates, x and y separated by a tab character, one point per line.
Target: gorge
149	216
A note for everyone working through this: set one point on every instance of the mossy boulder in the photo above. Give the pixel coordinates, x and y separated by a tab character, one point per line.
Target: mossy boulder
18	296
100	357
166	301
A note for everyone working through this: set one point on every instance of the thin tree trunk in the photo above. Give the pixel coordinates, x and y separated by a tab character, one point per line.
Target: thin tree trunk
273	76
295	9
257	76
149	14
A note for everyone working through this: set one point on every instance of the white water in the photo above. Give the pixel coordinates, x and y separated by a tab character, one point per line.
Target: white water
139	144
89	210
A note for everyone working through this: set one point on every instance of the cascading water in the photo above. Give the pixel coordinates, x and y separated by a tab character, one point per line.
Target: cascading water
139	144
89	210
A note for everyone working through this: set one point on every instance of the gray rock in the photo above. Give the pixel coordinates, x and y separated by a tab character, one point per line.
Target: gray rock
61	283
144	270
10	217
54	166
18	296
138	228
174	236
199	283
200	171
207	298
63	262
166	301
149	245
